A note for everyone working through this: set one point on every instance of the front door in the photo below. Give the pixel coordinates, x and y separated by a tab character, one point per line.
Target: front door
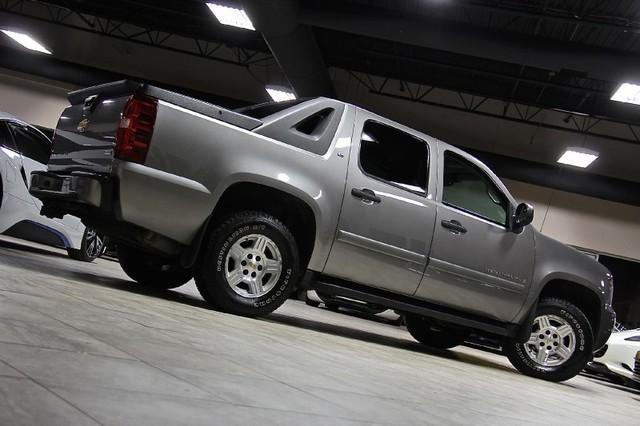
387	218
476	263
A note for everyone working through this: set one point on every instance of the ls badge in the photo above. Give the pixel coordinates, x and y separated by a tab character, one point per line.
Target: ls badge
83	125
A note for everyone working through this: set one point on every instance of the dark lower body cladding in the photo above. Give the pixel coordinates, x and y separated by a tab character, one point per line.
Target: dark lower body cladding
607	321
93	197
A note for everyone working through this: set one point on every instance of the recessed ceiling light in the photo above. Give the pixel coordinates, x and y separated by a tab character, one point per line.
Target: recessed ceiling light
627	92
27	41
280	94
579	157
231	16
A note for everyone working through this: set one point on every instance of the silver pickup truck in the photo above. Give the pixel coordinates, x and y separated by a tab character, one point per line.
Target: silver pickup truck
320	194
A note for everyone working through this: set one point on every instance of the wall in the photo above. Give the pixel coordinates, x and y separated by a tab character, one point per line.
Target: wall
591	223
36	101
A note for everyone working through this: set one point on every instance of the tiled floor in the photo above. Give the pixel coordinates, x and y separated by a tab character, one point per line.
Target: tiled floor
81	344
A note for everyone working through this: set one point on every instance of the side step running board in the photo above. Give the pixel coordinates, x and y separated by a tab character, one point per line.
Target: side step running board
408	305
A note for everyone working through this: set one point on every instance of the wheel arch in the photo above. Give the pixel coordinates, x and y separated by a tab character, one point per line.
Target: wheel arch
583	297
296	213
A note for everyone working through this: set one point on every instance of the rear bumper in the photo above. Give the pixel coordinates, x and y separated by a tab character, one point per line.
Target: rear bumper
80	188
168	205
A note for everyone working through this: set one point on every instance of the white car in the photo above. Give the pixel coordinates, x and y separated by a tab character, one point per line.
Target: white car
24	149
621	354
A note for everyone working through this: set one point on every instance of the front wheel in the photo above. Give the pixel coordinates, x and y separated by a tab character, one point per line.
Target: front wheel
434	334
249	265
560	344
150	270
92	247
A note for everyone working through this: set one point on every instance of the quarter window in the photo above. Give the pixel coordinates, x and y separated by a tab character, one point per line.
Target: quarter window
394	156
468	188
30	144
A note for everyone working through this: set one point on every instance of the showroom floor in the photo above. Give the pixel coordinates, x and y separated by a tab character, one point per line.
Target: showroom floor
81	344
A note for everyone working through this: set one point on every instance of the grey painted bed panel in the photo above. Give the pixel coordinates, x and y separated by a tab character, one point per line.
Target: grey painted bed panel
218	155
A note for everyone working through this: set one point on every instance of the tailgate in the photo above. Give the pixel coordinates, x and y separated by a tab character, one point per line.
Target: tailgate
86	132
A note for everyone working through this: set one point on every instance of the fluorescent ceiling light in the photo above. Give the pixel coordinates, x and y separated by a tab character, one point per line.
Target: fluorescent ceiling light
627	92
27	41
579	157
280	94
231	16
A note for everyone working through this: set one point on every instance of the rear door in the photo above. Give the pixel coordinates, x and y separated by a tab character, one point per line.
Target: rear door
476	263
387	217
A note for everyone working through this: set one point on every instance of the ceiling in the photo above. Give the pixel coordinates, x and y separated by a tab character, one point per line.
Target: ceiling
546	65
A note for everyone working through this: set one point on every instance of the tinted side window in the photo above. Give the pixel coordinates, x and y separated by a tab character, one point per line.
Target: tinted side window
394	156
30	144
468	188
5	137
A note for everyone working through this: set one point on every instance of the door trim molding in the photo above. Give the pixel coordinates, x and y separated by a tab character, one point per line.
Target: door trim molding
380	247
482	278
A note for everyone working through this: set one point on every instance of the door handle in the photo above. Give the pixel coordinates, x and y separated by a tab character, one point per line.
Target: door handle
366	195
455	226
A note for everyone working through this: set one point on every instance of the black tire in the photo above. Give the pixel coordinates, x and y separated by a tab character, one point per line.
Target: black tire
152	271
431	333
92	247
573	316
210	270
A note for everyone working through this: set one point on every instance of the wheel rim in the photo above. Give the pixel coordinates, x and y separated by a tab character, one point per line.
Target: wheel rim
93	243
552	341
253	266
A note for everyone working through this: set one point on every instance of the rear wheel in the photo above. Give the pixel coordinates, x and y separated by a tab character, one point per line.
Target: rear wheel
249	265
433	334
92	247
560	344
150	270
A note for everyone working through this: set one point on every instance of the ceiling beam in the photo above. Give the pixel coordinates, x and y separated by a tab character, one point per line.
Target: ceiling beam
615	23
293	46
597	63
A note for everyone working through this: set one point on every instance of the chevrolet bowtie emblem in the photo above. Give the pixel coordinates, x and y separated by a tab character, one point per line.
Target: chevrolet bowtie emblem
83	125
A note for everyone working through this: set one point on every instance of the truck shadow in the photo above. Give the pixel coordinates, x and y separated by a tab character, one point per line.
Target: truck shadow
58	265
380	339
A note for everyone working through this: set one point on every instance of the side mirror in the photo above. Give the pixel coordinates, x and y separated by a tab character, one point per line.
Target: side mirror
522	217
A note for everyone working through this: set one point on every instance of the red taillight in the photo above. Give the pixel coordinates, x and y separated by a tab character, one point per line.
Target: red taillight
136	128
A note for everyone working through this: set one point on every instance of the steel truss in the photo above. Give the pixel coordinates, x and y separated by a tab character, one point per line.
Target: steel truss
511	111
217	51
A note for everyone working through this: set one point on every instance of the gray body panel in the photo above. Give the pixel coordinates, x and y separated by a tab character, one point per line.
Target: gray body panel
91	149
485	271
385	244
397	245
217	155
